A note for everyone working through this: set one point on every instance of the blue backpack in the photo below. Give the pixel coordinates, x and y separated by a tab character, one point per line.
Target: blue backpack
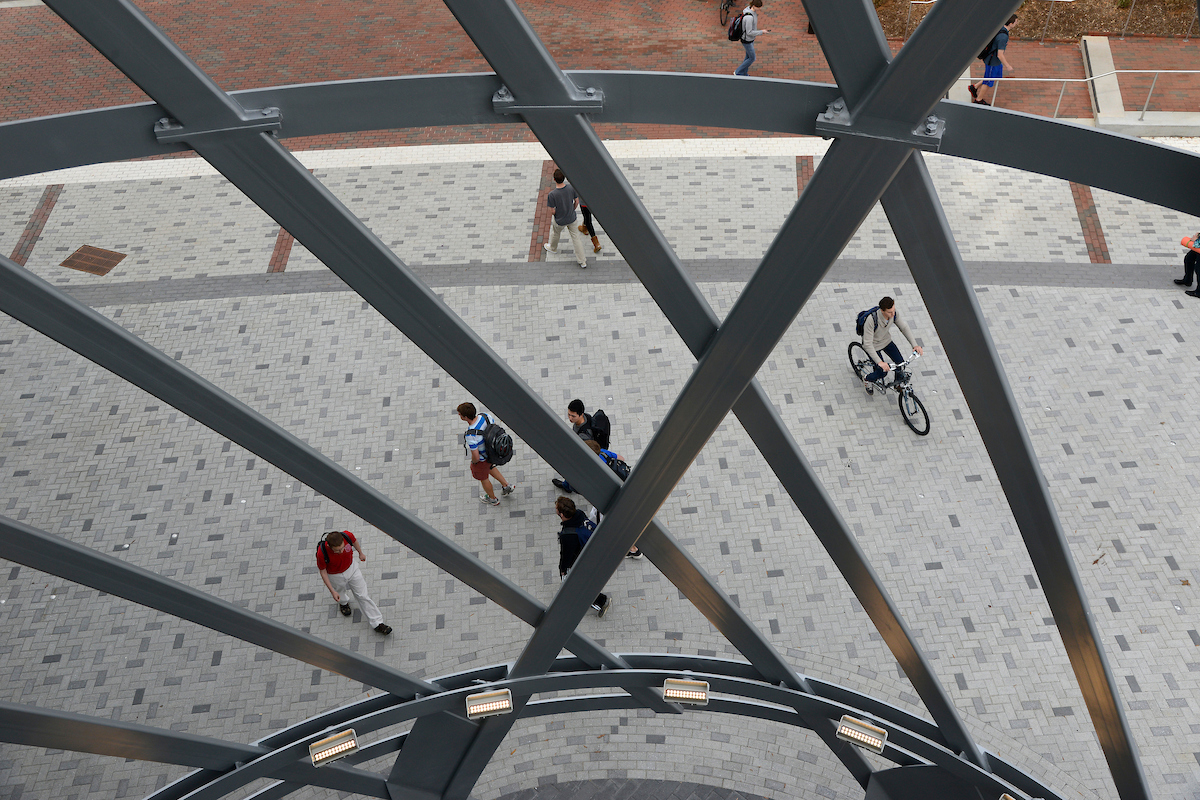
585	531
861	319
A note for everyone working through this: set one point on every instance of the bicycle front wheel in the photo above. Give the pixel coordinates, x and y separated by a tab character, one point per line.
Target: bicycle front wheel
914	413
860	362
723	10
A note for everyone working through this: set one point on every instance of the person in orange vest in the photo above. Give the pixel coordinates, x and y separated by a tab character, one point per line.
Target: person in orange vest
1191	260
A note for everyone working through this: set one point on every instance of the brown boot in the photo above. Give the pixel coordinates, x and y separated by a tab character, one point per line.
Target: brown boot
583	228
595	245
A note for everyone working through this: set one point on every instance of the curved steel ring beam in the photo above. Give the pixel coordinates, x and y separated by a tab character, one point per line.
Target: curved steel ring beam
1028	142
908	736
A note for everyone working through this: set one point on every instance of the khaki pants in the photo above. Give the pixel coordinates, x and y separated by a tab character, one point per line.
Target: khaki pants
576	238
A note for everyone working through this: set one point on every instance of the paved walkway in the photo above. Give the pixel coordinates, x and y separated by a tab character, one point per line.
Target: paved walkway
1076	288
342	39
1075	283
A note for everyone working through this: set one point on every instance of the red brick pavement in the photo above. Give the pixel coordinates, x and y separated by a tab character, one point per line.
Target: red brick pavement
1089	220
37	223
542	214
804	173
1171	92
48	69
282	251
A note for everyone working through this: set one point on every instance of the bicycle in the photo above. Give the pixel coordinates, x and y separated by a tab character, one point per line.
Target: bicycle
724	11
911	408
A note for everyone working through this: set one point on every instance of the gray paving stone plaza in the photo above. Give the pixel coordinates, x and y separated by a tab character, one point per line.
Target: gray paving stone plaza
1095	354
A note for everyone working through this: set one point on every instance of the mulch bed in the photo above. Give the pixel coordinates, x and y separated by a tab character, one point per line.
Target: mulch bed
1068	20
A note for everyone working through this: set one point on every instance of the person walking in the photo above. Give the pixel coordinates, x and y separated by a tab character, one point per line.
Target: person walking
585	428
1191	263
563	199
995	61
587	228
481	469
617	464
750	32
576	530
877	340
342	577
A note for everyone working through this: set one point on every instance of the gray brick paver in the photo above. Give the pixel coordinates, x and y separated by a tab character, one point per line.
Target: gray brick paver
107	465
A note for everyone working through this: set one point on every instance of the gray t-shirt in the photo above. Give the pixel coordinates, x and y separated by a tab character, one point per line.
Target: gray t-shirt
563	202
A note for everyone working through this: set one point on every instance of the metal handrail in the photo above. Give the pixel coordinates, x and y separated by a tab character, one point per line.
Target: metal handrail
1129	17
1065	81
911	3
1049	14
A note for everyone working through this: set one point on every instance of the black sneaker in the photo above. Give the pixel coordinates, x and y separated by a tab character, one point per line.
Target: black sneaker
1182	282
1194	294
561	484
383	629
634	554
346	610
607	605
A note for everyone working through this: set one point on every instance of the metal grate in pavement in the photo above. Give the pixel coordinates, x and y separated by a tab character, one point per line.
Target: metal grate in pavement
93	260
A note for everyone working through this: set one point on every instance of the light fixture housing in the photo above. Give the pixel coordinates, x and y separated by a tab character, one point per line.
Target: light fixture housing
333	747
692	693
863	734
489	704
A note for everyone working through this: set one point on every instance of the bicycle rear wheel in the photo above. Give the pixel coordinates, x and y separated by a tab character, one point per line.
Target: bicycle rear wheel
723	11
860	362
914	413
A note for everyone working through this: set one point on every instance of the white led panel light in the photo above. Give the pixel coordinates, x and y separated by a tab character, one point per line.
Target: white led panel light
333	747
489	704
863	734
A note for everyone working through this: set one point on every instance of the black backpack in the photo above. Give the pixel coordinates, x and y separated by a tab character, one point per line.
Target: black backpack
496	441
987	51
323	549
601	428
735	28
616	465
861	319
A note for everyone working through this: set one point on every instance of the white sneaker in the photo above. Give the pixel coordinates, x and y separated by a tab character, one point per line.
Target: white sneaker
550	249
583	265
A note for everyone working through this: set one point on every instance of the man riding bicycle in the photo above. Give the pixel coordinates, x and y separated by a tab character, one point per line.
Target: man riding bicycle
877	340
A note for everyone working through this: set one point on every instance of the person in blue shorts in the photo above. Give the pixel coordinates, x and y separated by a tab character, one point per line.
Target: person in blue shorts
994	63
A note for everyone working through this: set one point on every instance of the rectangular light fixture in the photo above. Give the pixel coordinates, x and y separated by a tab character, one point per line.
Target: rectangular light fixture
332	748
861	733
692	693
489	704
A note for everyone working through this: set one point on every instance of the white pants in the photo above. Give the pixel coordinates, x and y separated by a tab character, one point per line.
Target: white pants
351	582
576	238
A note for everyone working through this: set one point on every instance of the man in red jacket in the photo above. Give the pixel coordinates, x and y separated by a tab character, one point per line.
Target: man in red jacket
342	577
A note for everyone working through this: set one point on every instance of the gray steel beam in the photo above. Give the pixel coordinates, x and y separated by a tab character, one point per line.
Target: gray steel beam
853	42
576	147
269	175
927	241
913	734
34	726
31	300
58	556
480	23
1056	148
842	191
39	727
